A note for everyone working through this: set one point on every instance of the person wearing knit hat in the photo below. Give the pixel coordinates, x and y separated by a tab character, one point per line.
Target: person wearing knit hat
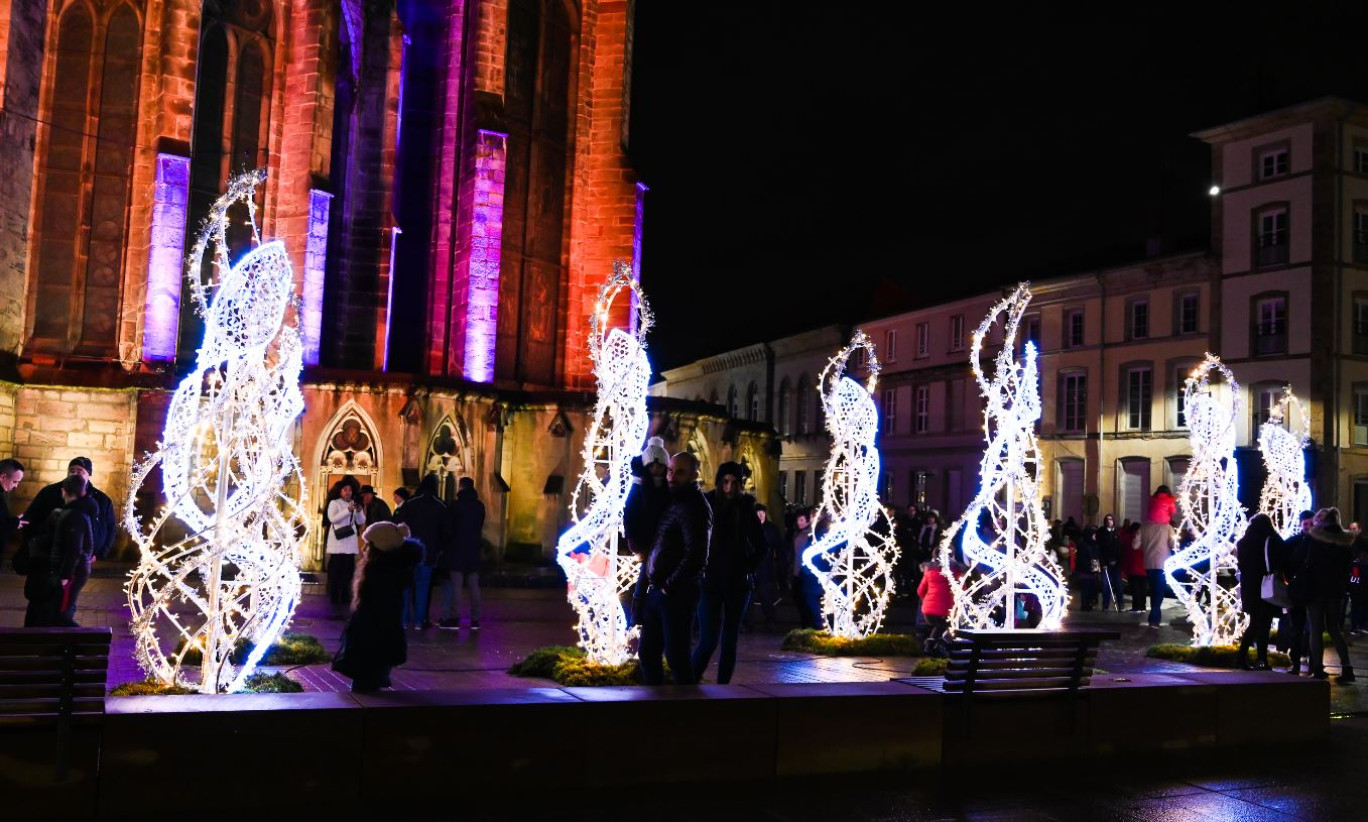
655	454
647	500
373	642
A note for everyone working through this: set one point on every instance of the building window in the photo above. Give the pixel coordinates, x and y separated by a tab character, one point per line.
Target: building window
923	339
885	485
1139	398
1272	163
957	332
955	411
890	409
1360	324
733	402
1138	319
1262	400
1361	159
801	403
1180	375
785	408
1361	415
891	345
1272	237
923	409
1073	328
1270	325
783	485
920	479
800	487
753	401
1031	332
1073	391
1361	235
1188	306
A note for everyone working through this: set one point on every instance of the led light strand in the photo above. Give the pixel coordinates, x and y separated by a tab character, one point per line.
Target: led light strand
1208	498
854	558
597	575
229	540
1004	527
1285	493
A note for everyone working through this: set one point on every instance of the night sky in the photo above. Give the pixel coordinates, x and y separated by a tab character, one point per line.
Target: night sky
814	163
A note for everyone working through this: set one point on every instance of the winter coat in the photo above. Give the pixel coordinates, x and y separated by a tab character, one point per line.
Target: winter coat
1155	540
1328	558
73	537
340	515
680	549
429	522
1132	557
467	527
770	567
1162	508
646	504
378	511
934	592
1249	557
737	544
1108	547
103	526
374	639
1086	554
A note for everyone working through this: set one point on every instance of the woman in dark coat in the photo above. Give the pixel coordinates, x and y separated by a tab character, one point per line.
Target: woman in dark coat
1109	555
1260	551
373	642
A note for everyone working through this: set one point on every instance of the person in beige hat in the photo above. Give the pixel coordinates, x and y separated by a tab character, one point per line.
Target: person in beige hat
373	642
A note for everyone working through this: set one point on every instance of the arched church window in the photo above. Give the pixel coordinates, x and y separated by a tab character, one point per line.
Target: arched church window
85	168
444	458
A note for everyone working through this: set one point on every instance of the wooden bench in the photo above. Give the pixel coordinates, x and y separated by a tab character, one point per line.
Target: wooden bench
1014	661
52	698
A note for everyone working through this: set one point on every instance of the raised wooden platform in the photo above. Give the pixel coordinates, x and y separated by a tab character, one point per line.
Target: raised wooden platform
322	752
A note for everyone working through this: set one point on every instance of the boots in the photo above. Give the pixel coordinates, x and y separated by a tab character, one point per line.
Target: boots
1346	676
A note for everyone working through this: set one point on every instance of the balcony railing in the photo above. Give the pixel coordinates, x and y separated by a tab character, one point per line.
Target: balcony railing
1270	338
1272	254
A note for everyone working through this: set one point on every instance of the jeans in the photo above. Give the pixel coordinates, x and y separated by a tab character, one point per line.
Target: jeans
1292	634
1326	615
1260	622
1157	586
416	598
807	596
451	594
340	570
719	615
78	581
666	624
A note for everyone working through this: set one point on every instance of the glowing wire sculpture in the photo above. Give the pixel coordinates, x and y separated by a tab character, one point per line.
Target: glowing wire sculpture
1208	498
219	562
1285	493
853	560
1004	527
596	573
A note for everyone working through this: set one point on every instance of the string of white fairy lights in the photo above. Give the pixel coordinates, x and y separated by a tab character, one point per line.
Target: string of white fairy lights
854	558
1003	530
1208	499
597	574
219	561
1285	492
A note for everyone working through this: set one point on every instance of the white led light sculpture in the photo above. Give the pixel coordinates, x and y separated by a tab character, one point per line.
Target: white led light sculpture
219	561
597	575
854	558
1208	498
1285	493
1004	527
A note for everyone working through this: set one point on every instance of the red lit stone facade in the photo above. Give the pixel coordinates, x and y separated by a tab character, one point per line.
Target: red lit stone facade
379	106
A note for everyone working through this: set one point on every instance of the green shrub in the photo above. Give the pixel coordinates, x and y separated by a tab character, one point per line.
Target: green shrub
1215	656
568	666
820	642
276	683
149	687
930	666
288	649
541	663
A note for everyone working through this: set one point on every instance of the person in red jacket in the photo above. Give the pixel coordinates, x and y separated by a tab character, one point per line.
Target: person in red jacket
936	602
1163	506
1133	566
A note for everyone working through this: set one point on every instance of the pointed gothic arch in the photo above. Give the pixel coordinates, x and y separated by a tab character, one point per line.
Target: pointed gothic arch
445	456
698	446
349	447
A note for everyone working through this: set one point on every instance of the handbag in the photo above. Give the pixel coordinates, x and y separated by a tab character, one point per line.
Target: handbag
1273	590
344	531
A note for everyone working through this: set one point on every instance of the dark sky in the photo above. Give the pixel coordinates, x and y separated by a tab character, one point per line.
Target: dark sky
804	157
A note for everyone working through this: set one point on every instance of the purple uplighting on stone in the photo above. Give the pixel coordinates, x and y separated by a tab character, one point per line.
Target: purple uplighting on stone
395	231
486	241
165	258
641	189
315	260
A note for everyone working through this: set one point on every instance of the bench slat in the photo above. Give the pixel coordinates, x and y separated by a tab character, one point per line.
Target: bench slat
1019	664
999	653
1055	683
50	690
1033	673
80	663
42	720
51	675
39	636
52	650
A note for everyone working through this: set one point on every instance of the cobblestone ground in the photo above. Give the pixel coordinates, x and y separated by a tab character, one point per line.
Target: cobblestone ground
517	620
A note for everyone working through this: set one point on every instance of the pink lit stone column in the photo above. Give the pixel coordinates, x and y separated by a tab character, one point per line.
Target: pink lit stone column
486	239
165	258
641	190
315	262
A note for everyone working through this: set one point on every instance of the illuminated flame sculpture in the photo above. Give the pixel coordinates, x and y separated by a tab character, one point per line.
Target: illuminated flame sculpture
853	559
1208	498
597	574
228	541
1285	493
1004	531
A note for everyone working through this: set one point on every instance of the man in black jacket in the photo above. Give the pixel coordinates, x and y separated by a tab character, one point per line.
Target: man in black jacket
735	550
11	474
462	556
103	526
677	558
68	539
430	524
